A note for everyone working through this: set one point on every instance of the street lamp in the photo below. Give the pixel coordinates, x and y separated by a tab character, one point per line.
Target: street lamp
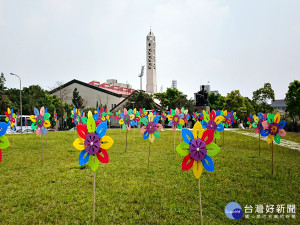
20	98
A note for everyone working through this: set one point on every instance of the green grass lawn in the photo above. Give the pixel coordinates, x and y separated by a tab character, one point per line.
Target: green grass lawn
127	192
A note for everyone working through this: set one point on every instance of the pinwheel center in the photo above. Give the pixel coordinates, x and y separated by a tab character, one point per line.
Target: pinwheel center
150	127
198	149
176	119
92	143
39	120
126	119
211	125
274	129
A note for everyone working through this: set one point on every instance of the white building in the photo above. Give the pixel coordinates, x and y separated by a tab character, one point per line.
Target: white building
151	86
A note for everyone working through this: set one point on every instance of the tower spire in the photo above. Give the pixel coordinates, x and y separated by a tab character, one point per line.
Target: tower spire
151	86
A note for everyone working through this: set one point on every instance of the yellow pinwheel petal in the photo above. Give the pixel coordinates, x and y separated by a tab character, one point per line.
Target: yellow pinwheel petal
150	117
219	119
32	118
270	139
47	123
90	114
197	169
79	144
225	112
151	138
121	121
106	142
198	130
181	121
170	117
8	111
132	116
277	118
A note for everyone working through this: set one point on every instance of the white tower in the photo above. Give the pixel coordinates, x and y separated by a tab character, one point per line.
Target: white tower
151	86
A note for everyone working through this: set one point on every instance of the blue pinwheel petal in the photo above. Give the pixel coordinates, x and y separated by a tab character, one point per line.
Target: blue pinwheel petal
209	165
96	116
220	127
187	117
156	120
44	130
3	128
101	129
170	123
187	136
12	111
260	116
36	111
83	160
281	124
204	124
264	133
181	115
131	123
122	115
146	135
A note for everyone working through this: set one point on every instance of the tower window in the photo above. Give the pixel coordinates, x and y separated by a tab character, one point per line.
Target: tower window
149	44
149	67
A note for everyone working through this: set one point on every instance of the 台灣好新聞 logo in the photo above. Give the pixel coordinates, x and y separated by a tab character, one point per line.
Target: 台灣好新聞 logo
233	211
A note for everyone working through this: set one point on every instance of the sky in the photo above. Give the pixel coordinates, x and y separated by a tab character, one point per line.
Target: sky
233	44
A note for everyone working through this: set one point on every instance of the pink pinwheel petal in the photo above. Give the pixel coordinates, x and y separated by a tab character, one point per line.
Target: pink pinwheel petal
42	111
128	126
158	126
38	131
265	124
143	129
282	133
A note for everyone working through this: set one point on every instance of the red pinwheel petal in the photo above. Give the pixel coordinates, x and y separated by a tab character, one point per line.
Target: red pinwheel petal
212	115
0	155
82	130
13	120
104	158
185	164
208	136
6	114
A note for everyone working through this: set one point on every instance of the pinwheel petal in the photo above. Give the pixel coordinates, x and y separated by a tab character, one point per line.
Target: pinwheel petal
181	121
93	163
277	138
38	131
197	169
281	124
151	138
187	162
158	126
101	129
220	127
179	126
47	123
208	163
217	134
156	119
183	149
208	136
121	121
106	142
3	128
270	139
42	111
36	111
180	116
0	155
277	118
212	149
33	126
104	158
206	117
156	134
282	133
4	142
146	135
83	160
187	136
212	115
79	144
124	126
254	125
82	131
265	124
143	129
198	130
170	117
84	120
263	133
219	119
44	130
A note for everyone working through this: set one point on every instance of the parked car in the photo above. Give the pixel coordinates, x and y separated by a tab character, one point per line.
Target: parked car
27	131
72	129
51	129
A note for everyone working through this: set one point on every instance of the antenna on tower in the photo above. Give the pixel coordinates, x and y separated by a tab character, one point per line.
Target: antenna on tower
140	76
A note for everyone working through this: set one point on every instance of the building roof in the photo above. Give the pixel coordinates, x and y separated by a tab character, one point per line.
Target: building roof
107	91
278	103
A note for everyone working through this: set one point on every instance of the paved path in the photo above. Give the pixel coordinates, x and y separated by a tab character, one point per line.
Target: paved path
283	142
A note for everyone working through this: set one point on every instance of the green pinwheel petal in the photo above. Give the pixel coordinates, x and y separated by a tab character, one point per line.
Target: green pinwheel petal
206	118
6	119
248	122
212	149
172	112
4	142
123	126
226	125
91	125
84	120
33	126
183	149
179	126
93	163
14	115
137	114
254	125
144	121
217	134
46	116
277	138
156	134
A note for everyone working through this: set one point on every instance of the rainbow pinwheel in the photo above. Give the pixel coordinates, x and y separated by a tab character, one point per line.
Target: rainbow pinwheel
118	116
10	117
143	112
186	115
126	119
226	118
150	129
232	116
250	120
213	122
82	118
197	150
65	116
55	116
163	116
273	128
175	119
18	116
74	116
258	120
195	116
40	121
93	145
4	142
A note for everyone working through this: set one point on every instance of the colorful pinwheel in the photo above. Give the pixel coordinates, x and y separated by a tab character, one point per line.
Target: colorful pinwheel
257	124
213	122
65	116
74	116
126	122
250	120
10	117
195	116
150	129
175	119
197	150
93	145
40	121
55	116
82	118
4	142
186	115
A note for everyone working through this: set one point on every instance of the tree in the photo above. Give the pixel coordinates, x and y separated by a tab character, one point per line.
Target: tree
141	100
174	98
292	98
60	92
216	101
77	99
4	99
235	101
262	96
